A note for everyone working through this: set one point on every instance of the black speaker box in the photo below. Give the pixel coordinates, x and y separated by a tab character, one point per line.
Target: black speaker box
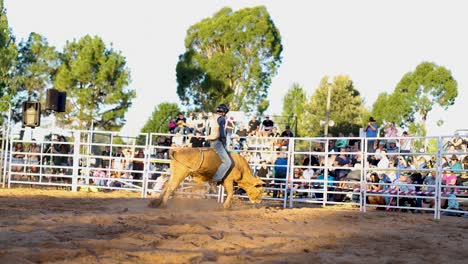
61	101
56	100
52	99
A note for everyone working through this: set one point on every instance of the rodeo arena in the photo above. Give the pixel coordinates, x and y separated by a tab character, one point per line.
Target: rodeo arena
83	196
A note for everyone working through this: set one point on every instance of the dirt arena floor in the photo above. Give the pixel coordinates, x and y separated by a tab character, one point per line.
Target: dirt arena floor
51	226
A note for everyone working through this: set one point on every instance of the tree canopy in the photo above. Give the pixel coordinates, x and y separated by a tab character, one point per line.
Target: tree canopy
230	58
159	120
96	80
416	95
293	105
8	55
347	108
37	63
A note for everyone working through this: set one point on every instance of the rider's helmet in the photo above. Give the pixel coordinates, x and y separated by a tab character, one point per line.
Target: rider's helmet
222	108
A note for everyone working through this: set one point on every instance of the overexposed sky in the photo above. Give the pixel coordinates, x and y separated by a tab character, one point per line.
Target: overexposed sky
374	42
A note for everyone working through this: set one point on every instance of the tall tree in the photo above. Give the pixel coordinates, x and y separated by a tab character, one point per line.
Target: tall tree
415	96
346	110
96	80
8	55
293	105
428	85
230	57
159	120
37	63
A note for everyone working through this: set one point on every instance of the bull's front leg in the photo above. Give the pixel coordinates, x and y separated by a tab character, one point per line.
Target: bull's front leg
177	176
229	187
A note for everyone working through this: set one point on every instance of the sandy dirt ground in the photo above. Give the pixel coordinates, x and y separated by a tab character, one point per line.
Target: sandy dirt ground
52	226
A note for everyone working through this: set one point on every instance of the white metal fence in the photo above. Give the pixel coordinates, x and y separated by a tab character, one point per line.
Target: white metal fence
415	174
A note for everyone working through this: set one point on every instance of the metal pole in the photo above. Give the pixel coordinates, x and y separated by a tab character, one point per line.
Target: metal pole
438	179
7	137
327	117
76	160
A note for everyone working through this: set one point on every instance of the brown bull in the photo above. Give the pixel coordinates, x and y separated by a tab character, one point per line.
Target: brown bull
201	164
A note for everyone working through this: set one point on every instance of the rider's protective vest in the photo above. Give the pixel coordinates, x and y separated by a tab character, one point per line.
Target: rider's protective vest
213	127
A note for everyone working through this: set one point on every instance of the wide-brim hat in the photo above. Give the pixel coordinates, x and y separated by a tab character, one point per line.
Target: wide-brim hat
371	119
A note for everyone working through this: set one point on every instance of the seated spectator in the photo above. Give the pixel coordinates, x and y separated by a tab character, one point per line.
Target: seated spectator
374	159
448	177
383	162
172	126
267	126
332	146
341	142
200	123
392	147
99	175
197	141
263	171
455	165
242	133
373	179
286	134
353	143
182	126
341	160
456	142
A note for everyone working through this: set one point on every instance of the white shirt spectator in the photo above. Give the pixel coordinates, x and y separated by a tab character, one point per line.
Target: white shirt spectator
308	174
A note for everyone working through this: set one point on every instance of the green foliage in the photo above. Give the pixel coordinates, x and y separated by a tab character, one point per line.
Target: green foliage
37	62
415	96
96	80
230	57
293	105
8	55
347	109
159	120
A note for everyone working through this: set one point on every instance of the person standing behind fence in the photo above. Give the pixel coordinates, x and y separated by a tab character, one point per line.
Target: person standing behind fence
280	168
254	125
119	162
405	143
371	132
230	127
138	165
34	151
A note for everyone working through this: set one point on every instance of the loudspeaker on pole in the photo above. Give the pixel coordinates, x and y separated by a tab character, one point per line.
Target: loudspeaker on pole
32	114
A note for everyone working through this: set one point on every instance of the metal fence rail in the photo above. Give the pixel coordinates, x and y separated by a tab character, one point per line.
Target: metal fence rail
311	174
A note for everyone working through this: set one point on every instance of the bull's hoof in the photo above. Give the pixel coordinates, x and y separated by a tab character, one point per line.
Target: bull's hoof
227	205
154	203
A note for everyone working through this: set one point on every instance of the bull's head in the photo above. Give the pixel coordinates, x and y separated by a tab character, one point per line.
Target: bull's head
251	184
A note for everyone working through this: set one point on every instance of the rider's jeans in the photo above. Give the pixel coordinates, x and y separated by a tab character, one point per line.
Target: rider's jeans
226	163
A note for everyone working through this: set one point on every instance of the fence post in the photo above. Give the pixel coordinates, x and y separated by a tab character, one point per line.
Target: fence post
76	160
438	181
144	184
363	200
290	173
325	175
10	157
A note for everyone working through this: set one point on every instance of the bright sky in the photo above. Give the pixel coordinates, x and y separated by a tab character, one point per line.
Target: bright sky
374	42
